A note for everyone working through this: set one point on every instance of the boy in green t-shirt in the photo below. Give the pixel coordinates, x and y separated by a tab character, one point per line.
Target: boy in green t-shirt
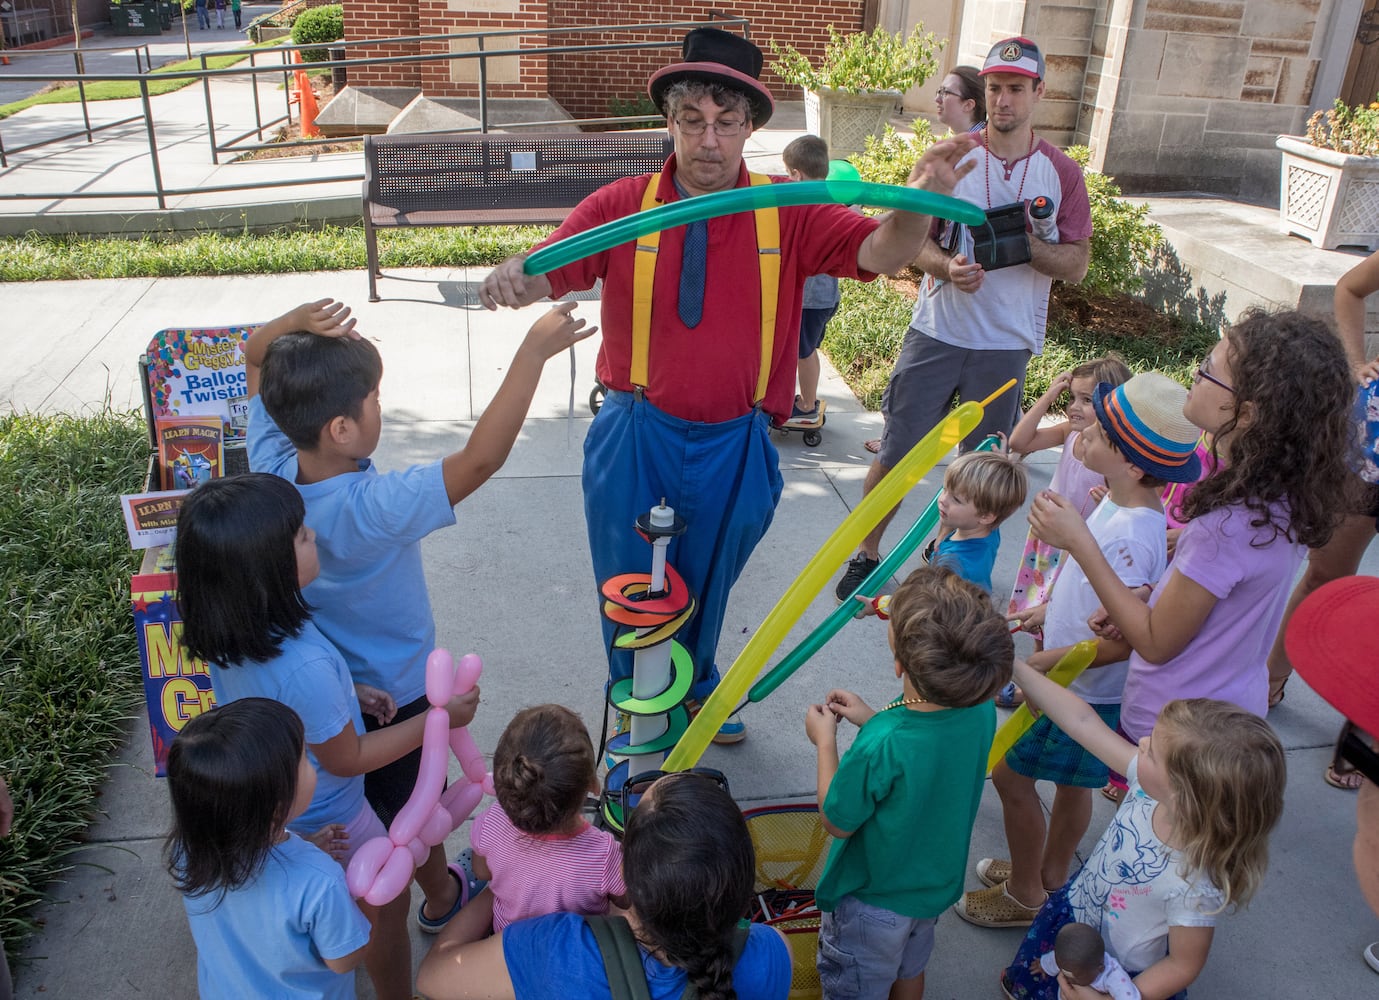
902	802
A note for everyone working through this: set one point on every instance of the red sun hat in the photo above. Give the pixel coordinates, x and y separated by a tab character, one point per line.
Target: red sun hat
712	55
1330	642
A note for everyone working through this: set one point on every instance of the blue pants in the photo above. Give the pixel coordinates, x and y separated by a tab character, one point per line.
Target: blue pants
723	479
203	19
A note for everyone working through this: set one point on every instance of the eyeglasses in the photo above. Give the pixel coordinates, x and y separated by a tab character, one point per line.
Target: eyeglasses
943	92
1355	752
639	784
1202	374
723	128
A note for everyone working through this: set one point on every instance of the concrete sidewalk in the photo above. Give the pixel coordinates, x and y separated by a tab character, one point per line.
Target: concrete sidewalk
511	582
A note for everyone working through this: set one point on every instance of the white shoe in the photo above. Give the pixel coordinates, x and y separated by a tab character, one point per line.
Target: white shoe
1372	956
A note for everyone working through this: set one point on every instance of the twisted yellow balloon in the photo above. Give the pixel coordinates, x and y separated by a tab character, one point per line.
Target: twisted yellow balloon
1064	672
733	688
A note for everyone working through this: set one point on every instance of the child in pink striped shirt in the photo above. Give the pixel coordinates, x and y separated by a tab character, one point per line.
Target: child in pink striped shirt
537	851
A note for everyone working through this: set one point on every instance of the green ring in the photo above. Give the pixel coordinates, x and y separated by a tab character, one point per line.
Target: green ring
620	694
678	721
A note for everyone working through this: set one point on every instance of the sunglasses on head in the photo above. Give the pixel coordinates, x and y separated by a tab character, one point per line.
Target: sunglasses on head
639	784
1355	753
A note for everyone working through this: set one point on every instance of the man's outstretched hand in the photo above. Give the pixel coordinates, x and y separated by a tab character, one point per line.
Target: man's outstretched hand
938	170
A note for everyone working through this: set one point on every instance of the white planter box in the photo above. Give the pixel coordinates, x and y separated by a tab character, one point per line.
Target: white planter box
1329	198
844	120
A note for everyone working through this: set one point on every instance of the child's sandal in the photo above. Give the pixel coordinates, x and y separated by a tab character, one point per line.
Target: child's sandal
462	871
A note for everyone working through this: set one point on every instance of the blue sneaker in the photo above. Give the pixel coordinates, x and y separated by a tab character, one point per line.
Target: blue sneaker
622	723
734	730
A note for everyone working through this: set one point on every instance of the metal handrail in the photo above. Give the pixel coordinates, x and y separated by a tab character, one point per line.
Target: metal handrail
254	69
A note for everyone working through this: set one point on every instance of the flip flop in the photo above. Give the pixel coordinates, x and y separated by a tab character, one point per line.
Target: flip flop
1348	782
873	445
1113	792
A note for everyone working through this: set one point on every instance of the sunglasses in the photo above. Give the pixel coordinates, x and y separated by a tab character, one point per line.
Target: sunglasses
1355	753
639	784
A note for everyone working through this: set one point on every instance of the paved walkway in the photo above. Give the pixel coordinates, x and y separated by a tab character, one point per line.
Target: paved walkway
511	582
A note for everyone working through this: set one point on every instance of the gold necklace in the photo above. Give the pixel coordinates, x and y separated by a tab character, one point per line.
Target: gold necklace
897	703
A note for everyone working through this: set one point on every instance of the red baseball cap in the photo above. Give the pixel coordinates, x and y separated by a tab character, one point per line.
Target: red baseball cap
1014	55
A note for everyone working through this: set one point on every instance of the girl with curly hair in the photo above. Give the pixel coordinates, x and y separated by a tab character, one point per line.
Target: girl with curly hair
1276	395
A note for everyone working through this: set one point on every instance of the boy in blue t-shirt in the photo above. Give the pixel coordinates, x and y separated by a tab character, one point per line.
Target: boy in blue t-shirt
980	490
314	420
902	802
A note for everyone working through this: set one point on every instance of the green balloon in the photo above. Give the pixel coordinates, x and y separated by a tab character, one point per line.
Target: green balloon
711	206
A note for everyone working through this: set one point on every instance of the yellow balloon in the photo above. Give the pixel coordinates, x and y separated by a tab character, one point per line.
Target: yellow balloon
733	687
1064	672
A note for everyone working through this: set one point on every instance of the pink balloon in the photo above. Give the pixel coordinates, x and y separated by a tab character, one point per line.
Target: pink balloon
393	879
459	801
383	867
430	779
367	862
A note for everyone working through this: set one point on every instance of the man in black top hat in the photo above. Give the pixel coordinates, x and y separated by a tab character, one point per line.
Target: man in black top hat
700	328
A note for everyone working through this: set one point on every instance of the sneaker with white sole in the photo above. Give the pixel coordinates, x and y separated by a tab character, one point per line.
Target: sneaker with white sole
993	871
995	907
859	568
622	723
734	730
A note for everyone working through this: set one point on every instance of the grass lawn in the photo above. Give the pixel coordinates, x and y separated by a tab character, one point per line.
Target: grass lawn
115	90
69	667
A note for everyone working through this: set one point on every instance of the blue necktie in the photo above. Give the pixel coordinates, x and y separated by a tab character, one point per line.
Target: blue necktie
693	268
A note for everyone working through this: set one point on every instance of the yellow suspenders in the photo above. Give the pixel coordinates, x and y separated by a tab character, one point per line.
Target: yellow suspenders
644	275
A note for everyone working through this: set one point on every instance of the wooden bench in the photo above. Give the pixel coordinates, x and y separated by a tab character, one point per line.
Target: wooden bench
493	179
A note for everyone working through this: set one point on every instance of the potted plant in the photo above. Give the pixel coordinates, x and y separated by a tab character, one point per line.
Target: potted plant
859	83
1330	187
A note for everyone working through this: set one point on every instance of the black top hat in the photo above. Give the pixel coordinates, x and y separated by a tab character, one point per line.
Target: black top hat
716	56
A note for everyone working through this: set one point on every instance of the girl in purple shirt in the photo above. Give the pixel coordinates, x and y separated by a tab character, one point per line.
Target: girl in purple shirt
1275	394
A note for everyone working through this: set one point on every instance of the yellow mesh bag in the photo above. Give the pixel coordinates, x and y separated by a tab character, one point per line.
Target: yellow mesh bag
791	847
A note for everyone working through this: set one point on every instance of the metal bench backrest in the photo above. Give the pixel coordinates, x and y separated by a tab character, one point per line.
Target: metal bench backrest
500	172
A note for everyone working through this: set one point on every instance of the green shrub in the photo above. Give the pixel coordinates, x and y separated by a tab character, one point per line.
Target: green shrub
862	60
864	337
319	24
887	159
1123	238
638	105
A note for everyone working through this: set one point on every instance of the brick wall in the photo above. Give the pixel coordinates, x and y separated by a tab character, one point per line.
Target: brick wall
583	83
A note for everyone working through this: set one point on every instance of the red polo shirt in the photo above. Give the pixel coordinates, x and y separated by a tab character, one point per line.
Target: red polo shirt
709	373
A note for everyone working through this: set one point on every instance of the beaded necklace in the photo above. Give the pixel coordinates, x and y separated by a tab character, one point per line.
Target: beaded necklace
898	702
986	147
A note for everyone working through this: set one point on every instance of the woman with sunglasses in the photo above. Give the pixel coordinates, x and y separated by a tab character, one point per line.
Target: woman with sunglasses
1330	643
689	867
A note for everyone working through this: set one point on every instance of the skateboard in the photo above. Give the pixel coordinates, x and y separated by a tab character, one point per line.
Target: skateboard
810	432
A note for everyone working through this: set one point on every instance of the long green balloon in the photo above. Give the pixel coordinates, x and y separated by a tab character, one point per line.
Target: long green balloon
711	206
833	624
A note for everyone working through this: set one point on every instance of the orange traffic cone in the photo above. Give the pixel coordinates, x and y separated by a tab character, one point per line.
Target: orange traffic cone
306	98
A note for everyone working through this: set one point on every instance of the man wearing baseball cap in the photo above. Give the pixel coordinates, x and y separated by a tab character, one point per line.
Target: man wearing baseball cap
973	329
700	335
1330	643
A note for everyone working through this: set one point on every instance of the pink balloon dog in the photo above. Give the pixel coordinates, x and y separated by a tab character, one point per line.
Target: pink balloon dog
382	868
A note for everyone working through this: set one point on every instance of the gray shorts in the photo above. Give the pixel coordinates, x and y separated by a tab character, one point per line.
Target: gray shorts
863	949
928	374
